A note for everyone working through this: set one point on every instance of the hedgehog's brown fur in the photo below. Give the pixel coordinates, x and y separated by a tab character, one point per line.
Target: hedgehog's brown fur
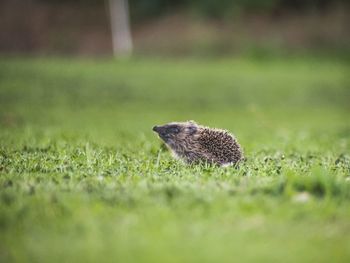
195	143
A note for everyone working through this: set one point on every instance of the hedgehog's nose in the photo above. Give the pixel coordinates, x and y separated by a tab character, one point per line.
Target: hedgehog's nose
160	130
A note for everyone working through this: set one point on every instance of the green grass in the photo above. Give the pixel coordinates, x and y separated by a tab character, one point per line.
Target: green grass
83	177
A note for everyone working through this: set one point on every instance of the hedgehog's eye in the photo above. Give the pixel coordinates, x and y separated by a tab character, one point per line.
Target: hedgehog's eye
174	130
192	130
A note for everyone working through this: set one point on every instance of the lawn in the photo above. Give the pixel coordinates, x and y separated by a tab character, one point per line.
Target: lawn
84	179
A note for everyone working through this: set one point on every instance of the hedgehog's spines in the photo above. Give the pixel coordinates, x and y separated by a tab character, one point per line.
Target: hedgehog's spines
196	143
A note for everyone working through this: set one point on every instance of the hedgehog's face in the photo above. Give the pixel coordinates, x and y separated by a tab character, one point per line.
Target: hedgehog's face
175	133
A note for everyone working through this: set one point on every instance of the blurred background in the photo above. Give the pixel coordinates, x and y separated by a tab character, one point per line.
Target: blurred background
183	27
250	61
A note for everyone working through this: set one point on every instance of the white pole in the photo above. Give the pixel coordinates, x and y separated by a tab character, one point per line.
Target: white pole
121	36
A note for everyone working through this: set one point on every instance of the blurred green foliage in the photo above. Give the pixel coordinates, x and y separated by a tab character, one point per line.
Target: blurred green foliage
83	177
224	8
212	8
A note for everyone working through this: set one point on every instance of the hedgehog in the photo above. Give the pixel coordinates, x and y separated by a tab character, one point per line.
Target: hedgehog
194	143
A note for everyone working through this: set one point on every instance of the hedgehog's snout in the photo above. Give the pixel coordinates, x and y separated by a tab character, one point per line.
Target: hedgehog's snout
162	131
159	129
